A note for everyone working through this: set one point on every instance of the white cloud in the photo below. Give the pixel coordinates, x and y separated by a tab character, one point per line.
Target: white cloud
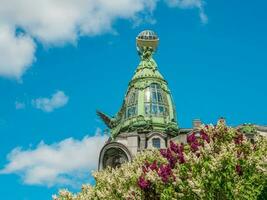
59	99
67	162
56	22
19	105
188	4
16	53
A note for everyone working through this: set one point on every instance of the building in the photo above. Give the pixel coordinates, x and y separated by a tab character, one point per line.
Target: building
147	118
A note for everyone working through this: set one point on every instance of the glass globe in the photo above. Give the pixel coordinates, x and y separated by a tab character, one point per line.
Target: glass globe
145	39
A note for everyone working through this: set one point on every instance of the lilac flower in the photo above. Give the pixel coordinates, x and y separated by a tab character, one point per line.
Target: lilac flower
239	170
166	153
191	138
143	183
174	147
182	147
172	161
205	136
163	152
144	169
181	158
194	146
239	139
165	172
154	166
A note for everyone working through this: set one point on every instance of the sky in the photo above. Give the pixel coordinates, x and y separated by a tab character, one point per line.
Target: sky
60	61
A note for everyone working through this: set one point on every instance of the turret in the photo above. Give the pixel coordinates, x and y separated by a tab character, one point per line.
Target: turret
147	117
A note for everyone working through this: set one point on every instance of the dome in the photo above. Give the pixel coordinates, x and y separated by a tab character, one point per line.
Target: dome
147	35
147	105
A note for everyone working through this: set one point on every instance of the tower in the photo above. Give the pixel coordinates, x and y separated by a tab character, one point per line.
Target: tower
147	117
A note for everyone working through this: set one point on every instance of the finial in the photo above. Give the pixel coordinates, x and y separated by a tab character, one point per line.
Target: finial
147	43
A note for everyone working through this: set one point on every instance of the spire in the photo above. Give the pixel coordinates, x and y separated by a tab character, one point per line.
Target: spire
147	44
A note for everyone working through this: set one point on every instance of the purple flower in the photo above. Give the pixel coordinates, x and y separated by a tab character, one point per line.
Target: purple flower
144	169
181	158
176	148
166	153
239	170
191	138
205	136
172	161
165	172
143	183
194	146
154	166
163	152
147	166
182	147
239	139
173	146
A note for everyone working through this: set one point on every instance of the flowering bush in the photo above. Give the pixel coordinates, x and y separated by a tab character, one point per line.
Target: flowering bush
217	162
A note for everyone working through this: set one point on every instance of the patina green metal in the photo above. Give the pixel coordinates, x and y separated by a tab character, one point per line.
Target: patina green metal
137	119
248	129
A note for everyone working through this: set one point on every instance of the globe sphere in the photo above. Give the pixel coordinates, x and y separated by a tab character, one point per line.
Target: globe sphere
147	38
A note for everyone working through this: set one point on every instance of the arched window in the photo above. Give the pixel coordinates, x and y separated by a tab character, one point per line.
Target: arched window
131	103
156	143
155	101
114	157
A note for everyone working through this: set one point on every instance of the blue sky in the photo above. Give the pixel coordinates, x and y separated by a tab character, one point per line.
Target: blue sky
57	70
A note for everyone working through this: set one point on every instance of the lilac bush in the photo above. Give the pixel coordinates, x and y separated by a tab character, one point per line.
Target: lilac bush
218	162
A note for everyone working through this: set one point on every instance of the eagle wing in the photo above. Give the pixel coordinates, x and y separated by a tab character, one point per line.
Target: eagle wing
106	119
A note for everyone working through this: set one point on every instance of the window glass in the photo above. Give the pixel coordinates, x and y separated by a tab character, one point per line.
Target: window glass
156	142
155	101
147	108
147	95
154	97
131	103
131	112
160	99
132	98
154	109
161	109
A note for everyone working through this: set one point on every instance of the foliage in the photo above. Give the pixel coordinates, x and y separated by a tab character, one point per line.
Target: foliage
218	162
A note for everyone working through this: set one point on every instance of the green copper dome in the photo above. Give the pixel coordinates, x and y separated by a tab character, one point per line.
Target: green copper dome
148	104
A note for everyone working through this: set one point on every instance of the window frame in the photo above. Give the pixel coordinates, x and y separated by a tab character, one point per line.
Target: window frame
131	104
155	142
155	101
